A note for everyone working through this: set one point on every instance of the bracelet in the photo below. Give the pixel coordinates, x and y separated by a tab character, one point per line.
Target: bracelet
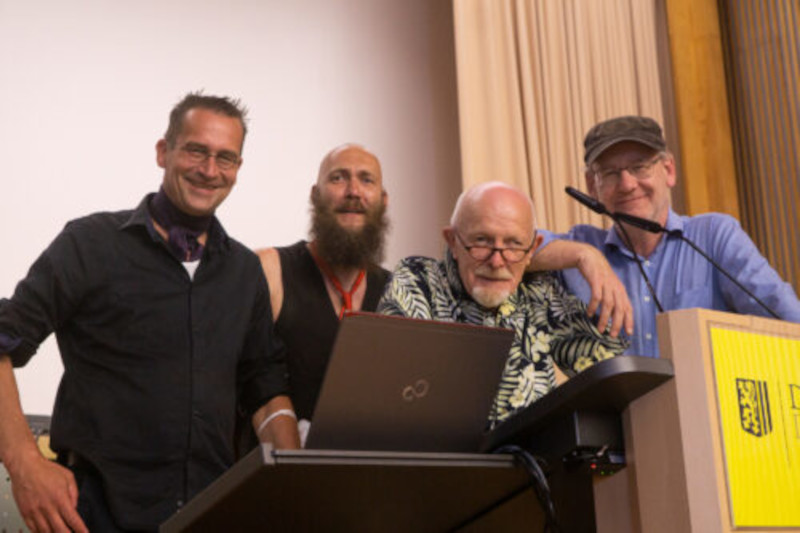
276	414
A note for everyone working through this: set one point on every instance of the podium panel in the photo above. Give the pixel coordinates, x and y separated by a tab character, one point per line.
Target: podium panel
718	448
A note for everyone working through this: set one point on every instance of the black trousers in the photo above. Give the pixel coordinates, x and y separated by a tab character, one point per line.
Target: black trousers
92	504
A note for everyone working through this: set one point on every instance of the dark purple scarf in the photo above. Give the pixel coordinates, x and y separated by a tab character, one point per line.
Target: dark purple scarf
183	229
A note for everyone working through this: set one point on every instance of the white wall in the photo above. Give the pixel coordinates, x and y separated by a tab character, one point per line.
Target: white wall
87	86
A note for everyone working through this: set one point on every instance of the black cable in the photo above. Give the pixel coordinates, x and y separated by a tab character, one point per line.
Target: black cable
538	481
679	234
650	288
600	209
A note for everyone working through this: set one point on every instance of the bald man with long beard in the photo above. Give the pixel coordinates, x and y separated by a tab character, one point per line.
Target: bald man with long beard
312	283
483	281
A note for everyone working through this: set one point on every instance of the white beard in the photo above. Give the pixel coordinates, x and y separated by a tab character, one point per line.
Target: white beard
490	298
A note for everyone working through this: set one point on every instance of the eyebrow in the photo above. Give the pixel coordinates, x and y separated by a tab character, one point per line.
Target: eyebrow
201	146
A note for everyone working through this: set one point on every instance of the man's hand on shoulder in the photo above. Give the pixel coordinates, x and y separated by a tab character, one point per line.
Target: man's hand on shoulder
46	494
608	293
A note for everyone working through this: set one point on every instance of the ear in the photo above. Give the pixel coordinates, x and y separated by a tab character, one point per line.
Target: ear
669	168
161	153
449	236
314	193
537	241
384	198
590	183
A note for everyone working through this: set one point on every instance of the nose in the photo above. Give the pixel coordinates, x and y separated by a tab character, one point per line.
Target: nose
496	259
627	181
209	167
354	188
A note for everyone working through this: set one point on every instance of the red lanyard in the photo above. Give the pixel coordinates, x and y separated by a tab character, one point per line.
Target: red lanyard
347	296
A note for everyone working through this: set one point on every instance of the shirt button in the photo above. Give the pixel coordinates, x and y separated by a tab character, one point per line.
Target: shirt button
648	336
179	504
647	262
646	298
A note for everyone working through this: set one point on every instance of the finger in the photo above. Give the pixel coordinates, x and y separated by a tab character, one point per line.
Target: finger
617	320
55	522
627	310
74	521
39	522
31	524
69	512
629	322
72	489
594	301
605	313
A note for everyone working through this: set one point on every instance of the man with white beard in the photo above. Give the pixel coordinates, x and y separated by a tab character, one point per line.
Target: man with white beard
483	281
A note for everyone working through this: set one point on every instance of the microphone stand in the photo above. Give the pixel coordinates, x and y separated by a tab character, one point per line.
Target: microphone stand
599	208
629	244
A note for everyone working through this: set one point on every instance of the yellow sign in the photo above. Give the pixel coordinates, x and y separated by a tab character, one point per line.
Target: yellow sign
758	390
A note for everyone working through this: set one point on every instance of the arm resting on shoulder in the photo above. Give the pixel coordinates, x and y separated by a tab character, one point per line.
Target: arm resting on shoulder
45	492
276	423
608	292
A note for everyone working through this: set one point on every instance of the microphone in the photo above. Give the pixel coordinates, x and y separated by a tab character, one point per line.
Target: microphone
642	223
598	207
588	201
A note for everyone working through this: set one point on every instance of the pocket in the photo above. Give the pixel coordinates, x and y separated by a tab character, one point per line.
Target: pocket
694	297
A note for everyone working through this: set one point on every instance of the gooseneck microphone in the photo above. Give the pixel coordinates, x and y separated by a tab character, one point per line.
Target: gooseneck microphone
588	201
655	227
599	208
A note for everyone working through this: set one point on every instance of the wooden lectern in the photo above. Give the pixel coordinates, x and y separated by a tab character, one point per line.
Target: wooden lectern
328	490
711	435
717	448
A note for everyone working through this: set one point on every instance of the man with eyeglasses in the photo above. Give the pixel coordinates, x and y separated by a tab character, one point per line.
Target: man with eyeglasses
630	170
164	327
483	281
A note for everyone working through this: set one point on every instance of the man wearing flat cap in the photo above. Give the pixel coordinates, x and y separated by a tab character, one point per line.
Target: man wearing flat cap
630	170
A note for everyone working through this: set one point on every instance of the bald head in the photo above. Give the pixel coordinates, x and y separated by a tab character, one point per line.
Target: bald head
349	152
497	196
492	237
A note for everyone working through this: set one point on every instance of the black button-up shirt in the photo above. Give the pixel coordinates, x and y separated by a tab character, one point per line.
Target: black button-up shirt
154	362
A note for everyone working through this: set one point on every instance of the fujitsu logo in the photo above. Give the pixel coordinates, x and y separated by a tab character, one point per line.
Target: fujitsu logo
418	389
754	408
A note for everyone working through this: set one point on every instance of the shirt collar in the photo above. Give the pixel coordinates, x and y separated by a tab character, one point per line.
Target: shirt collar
674	222
217	240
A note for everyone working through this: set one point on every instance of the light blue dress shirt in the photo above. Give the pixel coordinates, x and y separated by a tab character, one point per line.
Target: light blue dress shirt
682	278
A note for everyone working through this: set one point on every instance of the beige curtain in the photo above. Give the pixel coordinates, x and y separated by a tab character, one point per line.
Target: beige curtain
535	75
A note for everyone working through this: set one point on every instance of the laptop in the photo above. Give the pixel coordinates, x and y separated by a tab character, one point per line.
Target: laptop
400	384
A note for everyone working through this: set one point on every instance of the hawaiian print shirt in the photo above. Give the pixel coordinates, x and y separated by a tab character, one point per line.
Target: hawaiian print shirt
550	325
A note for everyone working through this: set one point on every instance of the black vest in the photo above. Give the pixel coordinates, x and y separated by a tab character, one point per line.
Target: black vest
307	323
